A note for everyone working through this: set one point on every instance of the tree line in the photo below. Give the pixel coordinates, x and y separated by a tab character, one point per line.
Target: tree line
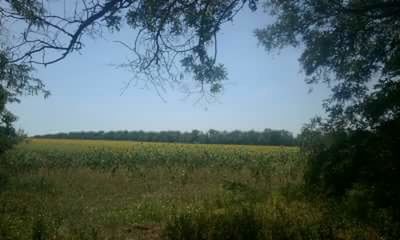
266	137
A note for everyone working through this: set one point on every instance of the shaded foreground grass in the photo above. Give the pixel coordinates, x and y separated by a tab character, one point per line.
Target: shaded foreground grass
70	189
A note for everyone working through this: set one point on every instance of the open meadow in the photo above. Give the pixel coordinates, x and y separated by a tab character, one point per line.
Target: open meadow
81	189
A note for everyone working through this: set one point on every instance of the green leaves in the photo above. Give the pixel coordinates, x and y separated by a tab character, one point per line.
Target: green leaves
182	32
349	45
353	47
15	80
29	9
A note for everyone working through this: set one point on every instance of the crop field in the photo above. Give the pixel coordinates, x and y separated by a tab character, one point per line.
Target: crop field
79	189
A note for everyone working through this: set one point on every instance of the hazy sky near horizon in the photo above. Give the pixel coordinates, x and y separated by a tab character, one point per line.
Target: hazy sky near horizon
263	91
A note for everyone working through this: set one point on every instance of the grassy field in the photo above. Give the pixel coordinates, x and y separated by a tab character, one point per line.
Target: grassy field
77	189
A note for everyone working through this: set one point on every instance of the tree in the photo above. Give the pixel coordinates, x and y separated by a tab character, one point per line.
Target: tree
354	47
270	137
15	80
350	45
165	34
171	39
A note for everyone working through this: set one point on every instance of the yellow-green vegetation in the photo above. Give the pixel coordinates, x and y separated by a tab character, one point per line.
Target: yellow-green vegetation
77	189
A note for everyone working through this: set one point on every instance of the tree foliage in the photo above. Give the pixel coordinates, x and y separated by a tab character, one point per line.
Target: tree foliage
15	80
354	47
170	39
266	137
350	45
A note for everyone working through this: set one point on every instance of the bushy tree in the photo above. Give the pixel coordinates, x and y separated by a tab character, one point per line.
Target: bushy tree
354	47
350	45
15	80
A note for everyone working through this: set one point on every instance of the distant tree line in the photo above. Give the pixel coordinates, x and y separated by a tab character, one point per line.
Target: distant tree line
266	137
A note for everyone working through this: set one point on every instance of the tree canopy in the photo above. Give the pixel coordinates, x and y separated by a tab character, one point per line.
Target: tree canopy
354	47
266	137
170	39
15	80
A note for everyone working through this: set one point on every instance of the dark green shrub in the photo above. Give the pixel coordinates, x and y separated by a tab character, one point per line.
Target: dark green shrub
360	170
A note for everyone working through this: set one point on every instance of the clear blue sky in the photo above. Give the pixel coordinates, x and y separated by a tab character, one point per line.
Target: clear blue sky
264	90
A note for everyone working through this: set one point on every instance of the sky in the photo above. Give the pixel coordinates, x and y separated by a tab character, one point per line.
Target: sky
264	90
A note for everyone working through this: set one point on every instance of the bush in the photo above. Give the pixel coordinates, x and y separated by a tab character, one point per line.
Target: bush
359	169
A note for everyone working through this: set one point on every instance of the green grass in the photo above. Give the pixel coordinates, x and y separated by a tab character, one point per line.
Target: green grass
73	189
